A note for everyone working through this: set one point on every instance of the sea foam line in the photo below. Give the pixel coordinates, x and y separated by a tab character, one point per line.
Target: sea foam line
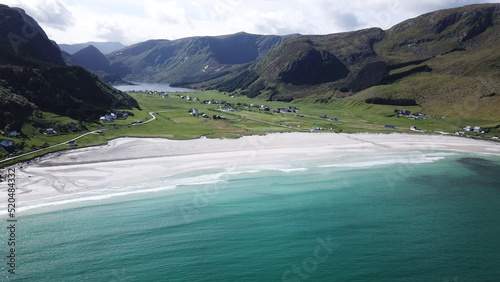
103	194
404	159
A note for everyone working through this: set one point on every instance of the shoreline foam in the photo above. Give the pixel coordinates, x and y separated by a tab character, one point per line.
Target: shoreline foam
128	161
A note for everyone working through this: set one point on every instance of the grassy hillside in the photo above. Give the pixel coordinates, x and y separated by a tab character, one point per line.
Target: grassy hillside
440	60
92	59
460	69
299	64
191	60
66	91
445	61
470	27
34	78
95	62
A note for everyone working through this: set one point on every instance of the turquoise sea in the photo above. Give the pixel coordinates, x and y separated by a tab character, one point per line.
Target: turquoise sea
415	216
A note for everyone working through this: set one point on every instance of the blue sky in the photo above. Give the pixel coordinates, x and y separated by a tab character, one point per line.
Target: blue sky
126	21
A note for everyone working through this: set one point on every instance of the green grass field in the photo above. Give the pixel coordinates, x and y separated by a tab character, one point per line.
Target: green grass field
173	121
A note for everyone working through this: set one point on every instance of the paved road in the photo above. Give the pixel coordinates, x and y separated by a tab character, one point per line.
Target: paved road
83	135
153	117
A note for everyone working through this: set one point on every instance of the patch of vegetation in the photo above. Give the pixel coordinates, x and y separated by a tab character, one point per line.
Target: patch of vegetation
242	80
192	60
67	91
395	76
391	101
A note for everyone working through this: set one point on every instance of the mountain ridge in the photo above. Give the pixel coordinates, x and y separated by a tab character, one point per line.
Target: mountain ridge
416	52
34	77
92	59
348	62
24	42
103	47
191	60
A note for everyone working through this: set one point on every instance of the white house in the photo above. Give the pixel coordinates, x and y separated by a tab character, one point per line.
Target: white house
468	128
7	143
414	128
49	131
477	129
109	117
14	134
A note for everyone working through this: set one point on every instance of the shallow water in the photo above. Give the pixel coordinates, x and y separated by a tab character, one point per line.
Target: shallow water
151	86
430	216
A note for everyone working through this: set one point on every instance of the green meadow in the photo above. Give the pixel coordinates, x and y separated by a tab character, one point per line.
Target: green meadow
173	121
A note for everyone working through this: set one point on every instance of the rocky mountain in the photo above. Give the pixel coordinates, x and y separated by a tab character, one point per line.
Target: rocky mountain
447	61
439	60
92	59
448	56
192	60
34	76
23	42
345	60
95	62
103	47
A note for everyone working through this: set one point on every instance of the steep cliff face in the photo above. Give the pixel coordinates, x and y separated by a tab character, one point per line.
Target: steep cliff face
447	61
92	59
441	60
192	60
23	41
438	32
354	61
313	67
343	61
34	76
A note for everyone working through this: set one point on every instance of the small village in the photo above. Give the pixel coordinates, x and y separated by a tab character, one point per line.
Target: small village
13	140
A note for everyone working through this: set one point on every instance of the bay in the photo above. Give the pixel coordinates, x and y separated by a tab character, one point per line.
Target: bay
434	217
151	86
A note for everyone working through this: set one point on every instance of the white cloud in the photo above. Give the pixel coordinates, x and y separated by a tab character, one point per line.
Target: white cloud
167	12
131	21
111	31
52	13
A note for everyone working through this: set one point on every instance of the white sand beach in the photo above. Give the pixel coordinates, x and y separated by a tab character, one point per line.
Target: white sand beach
127	161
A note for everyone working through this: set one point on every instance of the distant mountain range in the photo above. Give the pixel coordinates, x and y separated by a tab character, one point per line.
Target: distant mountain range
440	60
94	61
103	47
192	60
445	61
34	77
